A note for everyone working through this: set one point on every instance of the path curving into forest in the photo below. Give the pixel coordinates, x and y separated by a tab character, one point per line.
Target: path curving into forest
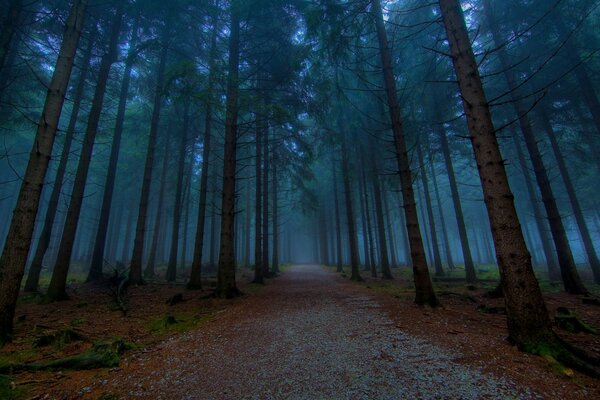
307	335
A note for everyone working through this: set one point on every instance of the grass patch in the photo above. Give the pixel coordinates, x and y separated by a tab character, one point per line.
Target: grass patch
178	322
8	391
18	357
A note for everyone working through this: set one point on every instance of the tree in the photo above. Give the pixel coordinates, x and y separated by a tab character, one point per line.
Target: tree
18	242
226	286
96	267
528	323
424	288
57	286
135	267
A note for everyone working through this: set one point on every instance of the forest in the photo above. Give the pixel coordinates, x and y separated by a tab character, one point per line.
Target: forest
180	176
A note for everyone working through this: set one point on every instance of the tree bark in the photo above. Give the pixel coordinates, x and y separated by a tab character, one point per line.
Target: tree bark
195	282
424	288
471	276
570	276
437	258
135	267
258	258
352	240
149	271
338	228
57	286
265	204
95	272
549	252
18	240
226	286
527	316
586	238
382	242
9	27
447	250
35	269
275	218
172	264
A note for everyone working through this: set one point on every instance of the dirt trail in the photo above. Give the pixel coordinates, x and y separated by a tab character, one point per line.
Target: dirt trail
308	335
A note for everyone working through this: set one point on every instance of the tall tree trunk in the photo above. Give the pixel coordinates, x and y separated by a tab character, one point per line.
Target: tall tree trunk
196	273
149	271
247	225
275	219
382	242
324	242
213	223
423	286
265	204
57	286
352	240
187	196
127	241
226	287
95	272
458	212
363	214
258	258
447	250
528	321
172	264
549	252
570	276
369	228
33	277
588	243
338	227
437	258
135	267
391	238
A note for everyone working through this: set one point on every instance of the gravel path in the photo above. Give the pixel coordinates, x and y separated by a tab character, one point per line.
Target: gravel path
308	335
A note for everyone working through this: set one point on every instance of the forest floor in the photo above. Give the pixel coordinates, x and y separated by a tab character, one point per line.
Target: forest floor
309	334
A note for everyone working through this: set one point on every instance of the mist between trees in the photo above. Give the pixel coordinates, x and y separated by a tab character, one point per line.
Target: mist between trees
179	140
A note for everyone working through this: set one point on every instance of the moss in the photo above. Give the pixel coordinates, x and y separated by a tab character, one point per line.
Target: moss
8	391
179	322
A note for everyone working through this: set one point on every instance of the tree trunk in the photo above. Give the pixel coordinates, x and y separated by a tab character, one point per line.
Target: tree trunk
363	214
391	237
127	240
172	264
338	228
570	276
20	231
588	243
265	204
369	228
195	282
275	194
437	258
226	287
382	242
135	267
549	252
95	272
528	321
149	271
33	277
352	240
258	258
57	286
187	196
213	223
447	250
247	227
423	286
458	212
